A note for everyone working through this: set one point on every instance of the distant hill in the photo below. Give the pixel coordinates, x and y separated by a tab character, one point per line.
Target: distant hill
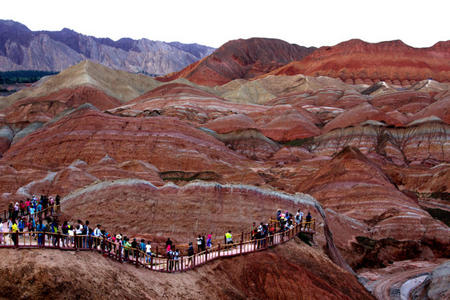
243	58
23	49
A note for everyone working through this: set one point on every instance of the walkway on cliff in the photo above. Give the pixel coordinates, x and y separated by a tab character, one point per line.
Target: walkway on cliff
155	262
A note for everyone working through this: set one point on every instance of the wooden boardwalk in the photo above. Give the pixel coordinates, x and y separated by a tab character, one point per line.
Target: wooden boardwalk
156	262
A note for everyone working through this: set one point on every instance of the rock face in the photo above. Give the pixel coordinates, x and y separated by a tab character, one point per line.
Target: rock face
200	207
23	49
356	61
241	59
300	272
354	186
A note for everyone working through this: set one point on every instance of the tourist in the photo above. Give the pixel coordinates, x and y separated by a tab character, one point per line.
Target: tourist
10	210
190	253
15	233
134	246
65	232
126	247
170	260
51	204
16	210
41	228
199	244
308	221
203	243
168	245
176	259
79	232
279	215
57	202
21	225
86	231
22	208
97	235
148	251
228	237
209	241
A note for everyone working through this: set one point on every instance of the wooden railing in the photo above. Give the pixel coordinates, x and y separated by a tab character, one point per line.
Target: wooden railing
156	261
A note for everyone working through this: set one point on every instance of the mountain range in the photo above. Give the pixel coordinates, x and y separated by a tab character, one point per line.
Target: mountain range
23	49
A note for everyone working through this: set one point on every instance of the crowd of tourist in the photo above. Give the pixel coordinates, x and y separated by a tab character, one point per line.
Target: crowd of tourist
37	216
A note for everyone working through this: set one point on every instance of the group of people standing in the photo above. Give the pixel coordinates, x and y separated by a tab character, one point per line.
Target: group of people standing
27	215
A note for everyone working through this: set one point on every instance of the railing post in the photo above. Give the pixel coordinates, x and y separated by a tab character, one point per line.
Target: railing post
75	240
193	258
167	265
151	262
182	264
206	256
120	252
136	256
219	250
59	240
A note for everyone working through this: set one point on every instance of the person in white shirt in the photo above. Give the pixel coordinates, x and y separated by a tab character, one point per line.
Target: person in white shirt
97	235
148	251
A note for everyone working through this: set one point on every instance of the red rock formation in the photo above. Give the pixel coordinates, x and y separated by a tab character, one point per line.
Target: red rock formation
45	108
289	126
231	123
355	187
90	135
240	59
289	271
356	61
357	115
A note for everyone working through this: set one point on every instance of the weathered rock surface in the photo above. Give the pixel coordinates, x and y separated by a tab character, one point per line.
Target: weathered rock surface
299	271
23	49
354	186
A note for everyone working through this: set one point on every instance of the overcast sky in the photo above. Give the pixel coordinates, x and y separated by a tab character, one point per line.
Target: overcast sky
212	23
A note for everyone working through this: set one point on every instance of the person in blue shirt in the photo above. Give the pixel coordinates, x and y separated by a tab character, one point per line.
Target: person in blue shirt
41	228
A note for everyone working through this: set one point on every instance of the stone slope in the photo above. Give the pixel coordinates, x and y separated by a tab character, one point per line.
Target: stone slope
355	187
300	271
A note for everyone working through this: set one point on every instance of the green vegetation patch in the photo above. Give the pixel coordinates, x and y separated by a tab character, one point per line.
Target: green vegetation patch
299	142
27	76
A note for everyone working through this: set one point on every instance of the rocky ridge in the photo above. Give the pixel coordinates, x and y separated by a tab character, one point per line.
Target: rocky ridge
23	49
